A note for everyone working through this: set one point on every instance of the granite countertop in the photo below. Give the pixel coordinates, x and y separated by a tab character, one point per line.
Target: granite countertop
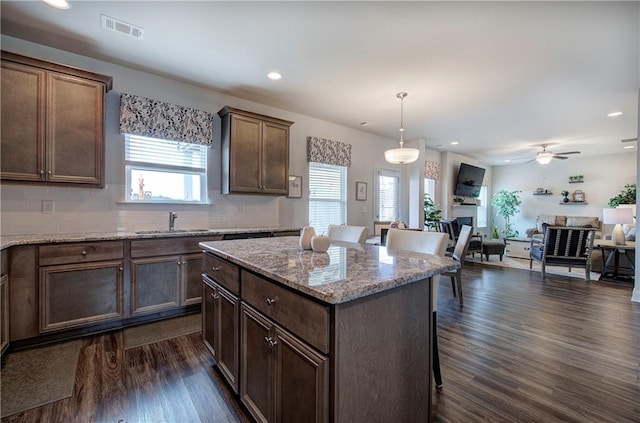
345	272
13	240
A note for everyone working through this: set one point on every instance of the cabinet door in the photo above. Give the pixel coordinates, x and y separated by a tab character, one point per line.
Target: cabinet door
275	159
75	129
302	387
209	295
192	279
73	295
155	284
227	329
245	146
22	131
256	369
4	313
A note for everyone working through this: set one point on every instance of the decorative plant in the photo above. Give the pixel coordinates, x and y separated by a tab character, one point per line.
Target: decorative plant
432	214
626	196
458	200
506	204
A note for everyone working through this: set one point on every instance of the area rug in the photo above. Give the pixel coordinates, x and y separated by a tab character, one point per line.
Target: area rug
159	331
518	263
38	376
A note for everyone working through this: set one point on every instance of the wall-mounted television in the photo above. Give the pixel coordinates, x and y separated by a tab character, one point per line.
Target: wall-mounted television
469	181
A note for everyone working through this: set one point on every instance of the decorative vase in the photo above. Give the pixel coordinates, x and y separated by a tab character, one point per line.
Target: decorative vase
565	200
305	237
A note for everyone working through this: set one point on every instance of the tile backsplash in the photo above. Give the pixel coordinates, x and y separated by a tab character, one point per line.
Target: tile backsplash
78	210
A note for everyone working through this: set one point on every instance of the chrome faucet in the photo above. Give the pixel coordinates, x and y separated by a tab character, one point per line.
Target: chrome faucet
172	220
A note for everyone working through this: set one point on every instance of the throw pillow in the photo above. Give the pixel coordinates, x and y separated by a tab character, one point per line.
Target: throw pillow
582	221
545	218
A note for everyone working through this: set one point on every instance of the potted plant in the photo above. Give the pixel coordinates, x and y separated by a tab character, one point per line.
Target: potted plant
506	204
432	214
626	196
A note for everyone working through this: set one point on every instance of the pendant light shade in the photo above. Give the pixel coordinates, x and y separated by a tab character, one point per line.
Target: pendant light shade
401	155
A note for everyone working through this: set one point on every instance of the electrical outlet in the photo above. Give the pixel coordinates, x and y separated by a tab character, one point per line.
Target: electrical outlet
48	206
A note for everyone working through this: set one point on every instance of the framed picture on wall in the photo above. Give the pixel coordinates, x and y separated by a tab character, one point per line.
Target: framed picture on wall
361	191
295	186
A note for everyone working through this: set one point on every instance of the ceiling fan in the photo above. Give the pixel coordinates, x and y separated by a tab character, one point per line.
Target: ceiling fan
544	156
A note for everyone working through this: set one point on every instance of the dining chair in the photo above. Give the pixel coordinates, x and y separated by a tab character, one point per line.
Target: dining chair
458	254
348	233
427	243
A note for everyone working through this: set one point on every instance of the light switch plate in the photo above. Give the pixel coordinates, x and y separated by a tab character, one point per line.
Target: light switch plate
48	206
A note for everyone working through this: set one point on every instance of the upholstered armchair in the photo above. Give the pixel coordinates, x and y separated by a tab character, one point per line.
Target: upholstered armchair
563	246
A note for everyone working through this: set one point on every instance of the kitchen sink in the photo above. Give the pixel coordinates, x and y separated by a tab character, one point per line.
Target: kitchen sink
167	231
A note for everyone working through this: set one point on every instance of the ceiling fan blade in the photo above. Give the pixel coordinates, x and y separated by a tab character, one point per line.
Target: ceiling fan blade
568	152
560	157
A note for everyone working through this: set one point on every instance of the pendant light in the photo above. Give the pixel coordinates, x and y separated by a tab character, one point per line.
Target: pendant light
401	155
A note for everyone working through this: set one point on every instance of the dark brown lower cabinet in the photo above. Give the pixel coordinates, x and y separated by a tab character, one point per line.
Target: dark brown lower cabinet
4	313
191	271
74	295
221	328
155	284
283	379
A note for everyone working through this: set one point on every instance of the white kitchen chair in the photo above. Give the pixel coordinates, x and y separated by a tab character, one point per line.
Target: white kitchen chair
429	243
348	233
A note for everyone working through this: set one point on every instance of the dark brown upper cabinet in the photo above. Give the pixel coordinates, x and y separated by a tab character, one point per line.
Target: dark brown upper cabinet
53	123
255	153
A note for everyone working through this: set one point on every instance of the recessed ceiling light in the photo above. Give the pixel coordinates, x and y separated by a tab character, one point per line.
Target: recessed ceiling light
628	146
614	114
274	76
507	161
454	143
58	4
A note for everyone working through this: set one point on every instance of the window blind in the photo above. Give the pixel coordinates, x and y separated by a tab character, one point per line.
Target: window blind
327	196
388	196
165	152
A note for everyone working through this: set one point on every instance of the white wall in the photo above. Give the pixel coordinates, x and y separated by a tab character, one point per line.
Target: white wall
604	177
93	210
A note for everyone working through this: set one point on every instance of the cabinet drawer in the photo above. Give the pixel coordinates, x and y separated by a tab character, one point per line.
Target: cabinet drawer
306	318
168	246
223	272
80	252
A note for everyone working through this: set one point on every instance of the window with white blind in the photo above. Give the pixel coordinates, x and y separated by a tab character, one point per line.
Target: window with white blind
387	195
164	171
481	221
327	196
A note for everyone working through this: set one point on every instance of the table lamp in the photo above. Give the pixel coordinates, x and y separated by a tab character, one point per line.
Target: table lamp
618	217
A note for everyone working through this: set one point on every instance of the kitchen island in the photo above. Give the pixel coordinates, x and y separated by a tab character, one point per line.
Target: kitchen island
342	336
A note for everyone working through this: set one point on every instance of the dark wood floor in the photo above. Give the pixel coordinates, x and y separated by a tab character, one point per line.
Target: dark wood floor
521	350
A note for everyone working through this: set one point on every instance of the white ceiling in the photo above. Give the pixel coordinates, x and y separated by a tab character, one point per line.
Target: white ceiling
501	78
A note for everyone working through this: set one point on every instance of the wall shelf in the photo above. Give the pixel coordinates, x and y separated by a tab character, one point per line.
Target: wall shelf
576	182
542	193
573	203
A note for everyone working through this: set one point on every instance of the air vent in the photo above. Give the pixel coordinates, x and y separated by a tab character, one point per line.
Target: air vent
116	25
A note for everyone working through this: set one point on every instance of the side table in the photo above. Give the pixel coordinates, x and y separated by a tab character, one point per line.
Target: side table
611	252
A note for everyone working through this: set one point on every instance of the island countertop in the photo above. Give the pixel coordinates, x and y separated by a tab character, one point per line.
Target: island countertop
344	273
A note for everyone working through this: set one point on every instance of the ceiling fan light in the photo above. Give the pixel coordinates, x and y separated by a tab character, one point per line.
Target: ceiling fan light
401	155
58	4
544	158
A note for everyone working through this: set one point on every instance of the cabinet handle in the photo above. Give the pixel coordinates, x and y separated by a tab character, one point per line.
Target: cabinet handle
215	269
271	300
41	172
49	172
216	296
120	268
184	262
270	342
84	253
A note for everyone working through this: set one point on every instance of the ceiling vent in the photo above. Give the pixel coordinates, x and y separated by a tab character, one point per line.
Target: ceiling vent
116	25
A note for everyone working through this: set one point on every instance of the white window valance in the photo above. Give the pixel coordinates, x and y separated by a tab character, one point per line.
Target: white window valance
431	170
157	119
320	150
